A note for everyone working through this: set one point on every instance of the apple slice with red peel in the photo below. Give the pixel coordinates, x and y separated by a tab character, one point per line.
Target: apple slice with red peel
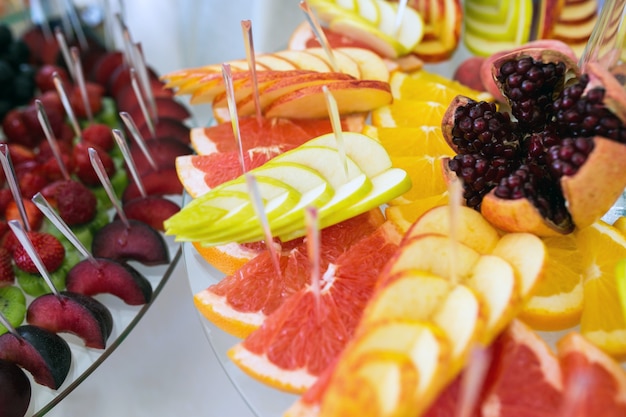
151	210
137	241
304	60
72	313
345	63
44	354
97	276
353	96
159	183
267	95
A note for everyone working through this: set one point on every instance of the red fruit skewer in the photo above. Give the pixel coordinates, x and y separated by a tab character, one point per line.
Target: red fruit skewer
9	173
54	146
134	131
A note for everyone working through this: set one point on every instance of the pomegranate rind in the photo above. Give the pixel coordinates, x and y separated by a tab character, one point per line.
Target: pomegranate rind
587	195
519	215
615	95
491	63
447	121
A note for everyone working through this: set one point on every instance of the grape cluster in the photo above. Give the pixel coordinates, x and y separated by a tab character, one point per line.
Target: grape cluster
17	76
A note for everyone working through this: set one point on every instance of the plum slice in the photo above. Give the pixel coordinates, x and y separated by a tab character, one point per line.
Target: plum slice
44	354
16	390
136	241
152	210
162	182
73	313
98	276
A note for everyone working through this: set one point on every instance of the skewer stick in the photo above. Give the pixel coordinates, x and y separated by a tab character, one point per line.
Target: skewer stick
142	102
49	134
5	322
67	105
311	216
257	203
246	27
335	121
9	173
232	109
130	163
42	204
399	16
134	131
319	34
79	77
455	190
22	236
65	51
472	381
76	25
96	162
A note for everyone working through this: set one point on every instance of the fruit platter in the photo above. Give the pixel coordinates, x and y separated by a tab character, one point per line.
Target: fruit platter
89	139
466	236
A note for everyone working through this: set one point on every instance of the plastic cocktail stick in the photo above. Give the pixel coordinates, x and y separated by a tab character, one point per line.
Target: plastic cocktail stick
257	203
134	131
319	34
232	109
139	64
399	15
605	42
65	51
96	162
130	163
246	27
455	191
76	25
79	77
22	237
9	326
9	173
42	204
472	381
142	102
335	121
311	217
67	105
47	130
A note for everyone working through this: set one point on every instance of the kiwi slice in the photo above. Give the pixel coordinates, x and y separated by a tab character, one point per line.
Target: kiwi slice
12	306
119	180
35	285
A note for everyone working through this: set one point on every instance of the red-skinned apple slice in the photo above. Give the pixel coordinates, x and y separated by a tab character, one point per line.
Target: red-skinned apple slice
304	60
352	97
246	106
344	62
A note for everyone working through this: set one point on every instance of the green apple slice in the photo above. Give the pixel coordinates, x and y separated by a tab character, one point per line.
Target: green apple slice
369	154
385	187
327	11
311	187
384	44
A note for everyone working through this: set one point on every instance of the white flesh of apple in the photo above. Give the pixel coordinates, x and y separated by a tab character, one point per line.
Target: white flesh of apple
371	65
379	41
275	62
327	11
411	29
369	10
344	62
305	61
473	230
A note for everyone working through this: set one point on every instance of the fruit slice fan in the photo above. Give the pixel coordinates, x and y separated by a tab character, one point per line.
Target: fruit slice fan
136	272
413	93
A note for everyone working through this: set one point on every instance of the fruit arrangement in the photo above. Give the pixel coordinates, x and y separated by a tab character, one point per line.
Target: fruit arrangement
501	224
82	252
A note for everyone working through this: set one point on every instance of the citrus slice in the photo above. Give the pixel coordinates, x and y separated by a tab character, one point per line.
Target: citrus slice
405	87
409	113
524	378
239	303
424	76
405	215
301	338
410	141
602	247
228	258
557	301
594	383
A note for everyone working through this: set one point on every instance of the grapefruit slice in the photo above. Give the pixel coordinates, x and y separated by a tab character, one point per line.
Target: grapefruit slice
304	335
241	302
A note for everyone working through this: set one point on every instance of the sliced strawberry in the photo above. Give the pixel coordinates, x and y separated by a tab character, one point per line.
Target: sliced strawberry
47	246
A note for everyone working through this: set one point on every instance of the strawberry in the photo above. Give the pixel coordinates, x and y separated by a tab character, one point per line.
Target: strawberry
35	216
82	164
75	202
7	275
99	134
47	246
